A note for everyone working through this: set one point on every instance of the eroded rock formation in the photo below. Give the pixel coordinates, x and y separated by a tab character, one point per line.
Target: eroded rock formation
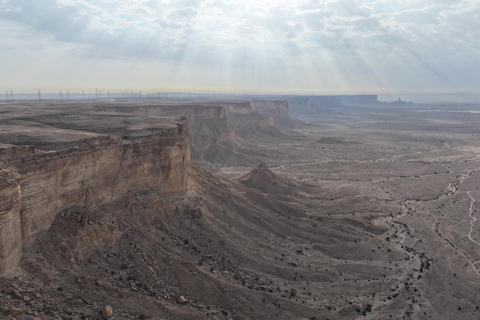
35	185
271	107
10	206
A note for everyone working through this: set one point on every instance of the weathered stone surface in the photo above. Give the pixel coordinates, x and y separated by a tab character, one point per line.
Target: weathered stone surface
35	186
14	311
271	107
237	107
107	311
182	300
10	206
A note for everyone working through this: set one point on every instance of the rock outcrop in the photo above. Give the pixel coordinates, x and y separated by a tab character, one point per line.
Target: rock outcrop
34	186
236	106
207	122
10	206
263	179
271	107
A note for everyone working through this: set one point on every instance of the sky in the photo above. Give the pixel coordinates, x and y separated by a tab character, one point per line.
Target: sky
239	46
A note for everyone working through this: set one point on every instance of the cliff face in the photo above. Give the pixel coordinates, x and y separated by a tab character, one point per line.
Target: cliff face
35	186
10	206
188	111
212	139
271	107
237	107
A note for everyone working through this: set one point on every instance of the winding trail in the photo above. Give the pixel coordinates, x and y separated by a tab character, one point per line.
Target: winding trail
473	219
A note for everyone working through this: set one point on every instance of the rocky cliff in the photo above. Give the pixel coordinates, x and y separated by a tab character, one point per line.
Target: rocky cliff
236	106
271	107
214	137
34	186
10	206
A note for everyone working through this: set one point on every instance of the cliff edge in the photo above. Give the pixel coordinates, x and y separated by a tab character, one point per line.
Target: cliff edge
39	180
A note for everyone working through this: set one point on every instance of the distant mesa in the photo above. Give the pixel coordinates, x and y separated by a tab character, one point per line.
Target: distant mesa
401	102
328	104
264	180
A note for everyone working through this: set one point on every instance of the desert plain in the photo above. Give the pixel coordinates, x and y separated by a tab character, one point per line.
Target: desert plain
362	211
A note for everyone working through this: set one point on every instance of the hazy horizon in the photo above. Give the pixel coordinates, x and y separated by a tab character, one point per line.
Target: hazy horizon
243	46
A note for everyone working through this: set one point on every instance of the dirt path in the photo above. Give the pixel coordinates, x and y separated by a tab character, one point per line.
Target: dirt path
473	219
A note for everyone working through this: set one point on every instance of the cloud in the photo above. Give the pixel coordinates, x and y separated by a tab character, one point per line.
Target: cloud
368	36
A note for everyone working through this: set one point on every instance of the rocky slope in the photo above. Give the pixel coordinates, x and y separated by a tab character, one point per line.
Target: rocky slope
91	171
338	227
261	178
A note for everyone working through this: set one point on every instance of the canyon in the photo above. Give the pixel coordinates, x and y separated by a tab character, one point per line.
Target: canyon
233	209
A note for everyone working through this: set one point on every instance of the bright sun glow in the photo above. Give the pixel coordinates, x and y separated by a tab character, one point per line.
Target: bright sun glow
337	46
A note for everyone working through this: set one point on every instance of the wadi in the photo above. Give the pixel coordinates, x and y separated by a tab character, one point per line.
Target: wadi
279	207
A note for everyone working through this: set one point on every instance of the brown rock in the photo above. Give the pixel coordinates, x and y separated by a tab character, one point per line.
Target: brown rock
17	294
15	311
5	309
26	298
77	301
182	300
107	311
87	301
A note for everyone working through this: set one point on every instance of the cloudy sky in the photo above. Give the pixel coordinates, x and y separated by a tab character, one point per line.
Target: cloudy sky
304	46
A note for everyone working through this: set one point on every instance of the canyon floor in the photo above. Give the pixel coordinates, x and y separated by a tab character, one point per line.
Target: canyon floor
361	213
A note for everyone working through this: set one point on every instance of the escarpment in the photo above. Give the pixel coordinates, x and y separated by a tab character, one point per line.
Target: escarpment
35	185
271	107
10	206
214	138
321	104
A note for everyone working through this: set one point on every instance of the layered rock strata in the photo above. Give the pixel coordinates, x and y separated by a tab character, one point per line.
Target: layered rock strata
35	185
271	107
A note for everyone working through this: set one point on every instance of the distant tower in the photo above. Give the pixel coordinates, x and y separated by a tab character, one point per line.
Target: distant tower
60	93
96	93
6	94
108	94
39	95
11	94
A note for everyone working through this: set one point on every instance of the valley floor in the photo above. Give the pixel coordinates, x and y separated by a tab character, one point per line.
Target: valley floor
366	214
